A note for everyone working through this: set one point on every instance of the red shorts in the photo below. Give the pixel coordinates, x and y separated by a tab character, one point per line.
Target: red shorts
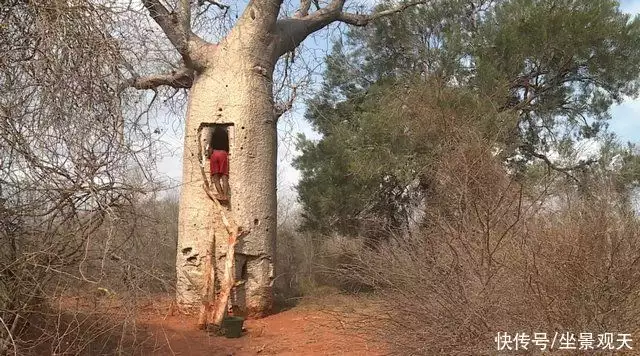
219	162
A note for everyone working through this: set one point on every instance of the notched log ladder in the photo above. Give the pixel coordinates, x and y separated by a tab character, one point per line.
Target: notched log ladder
213	312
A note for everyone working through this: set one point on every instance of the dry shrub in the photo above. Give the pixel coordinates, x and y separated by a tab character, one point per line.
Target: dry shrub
584	261
335	252
497	255
89	303
307	264
75	158
295	267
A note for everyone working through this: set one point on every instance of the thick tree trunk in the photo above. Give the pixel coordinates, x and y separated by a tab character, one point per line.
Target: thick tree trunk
233	86
236	88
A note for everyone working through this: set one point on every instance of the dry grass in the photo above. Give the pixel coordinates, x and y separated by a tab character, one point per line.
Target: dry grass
88	305
495	255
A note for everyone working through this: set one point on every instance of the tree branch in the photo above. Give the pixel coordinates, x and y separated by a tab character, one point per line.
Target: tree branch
180	78
294	30
303	11
565	170
281	108
363	20
262	15
220	5
551	165
184	18
170	25
235	232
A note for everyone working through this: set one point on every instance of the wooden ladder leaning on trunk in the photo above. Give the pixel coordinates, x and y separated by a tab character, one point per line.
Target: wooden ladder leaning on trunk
213	312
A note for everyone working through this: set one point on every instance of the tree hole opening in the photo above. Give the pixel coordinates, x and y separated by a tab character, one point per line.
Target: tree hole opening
187	250
216	136
256	222
219	138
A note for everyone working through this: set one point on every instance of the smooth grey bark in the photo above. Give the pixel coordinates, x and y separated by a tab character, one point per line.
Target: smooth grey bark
237	90
231	83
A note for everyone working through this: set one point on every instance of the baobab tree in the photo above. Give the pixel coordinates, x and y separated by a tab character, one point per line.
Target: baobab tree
231	83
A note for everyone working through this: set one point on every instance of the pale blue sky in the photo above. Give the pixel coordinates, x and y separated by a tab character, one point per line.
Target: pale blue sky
625	122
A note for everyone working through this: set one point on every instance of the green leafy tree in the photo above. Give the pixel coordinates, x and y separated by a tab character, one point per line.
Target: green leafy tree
564	63
553	67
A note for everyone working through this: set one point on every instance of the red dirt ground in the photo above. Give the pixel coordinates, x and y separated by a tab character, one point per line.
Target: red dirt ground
299	331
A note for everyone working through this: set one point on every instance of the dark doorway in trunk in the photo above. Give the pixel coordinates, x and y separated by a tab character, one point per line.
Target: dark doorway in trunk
207	137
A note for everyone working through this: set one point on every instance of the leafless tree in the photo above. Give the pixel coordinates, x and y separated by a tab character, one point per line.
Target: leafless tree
74	154
229	71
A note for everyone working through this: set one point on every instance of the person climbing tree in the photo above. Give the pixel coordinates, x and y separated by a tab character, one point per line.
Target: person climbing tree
219	162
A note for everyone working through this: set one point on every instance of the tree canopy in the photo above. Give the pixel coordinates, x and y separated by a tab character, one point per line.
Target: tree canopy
529	77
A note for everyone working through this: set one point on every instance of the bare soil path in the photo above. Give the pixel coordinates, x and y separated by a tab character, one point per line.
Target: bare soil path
305	330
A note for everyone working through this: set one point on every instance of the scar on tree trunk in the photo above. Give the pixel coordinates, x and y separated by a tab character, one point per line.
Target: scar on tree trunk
214	312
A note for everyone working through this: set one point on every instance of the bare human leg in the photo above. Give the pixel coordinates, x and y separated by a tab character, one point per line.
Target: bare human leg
216	182
225	186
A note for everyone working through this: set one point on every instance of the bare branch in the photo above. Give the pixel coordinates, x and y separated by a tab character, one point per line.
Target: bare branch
294	30
180	78
168	22
184	18
281	108
235	233
268	11
220	5
565	170
363	20
303	11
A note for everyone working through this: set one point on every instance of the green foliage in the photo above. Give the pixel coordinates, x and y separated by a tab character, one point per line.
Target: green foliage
330	190
423	40
365	173
564	62
526	76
